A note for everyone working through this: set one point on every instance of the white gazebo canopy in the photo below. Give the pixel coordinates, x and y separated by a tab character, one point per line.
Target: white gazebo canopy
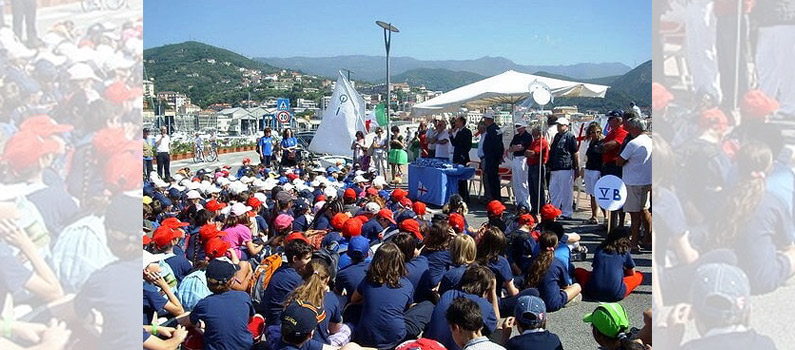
508	87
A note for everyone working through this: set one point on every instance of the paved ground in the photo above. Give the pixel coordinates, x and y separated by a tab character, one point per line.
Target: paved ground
567	323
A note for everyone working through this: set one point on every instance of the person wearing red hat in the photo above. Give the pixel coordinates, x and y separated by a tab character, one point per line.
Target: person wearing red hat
549	213
349	200
411	226
494	211
384	218
338	221
351	228
522	244
457	223
166	237
296	235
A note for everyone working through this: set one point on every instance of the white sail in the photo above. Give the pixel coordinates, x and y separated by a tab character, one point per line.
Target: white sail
343	117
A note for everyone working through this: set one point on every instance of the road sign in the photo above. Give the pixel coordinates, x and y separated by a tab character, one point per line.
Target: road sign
283	104
611	193
283	117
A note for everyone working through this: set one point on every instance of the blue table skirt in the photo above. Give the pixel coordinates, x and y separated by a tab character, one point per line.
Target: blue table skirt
435	185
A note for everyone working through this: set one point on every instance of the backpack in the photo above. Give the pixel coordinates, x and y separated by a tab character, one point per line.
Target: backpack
330	256
262	277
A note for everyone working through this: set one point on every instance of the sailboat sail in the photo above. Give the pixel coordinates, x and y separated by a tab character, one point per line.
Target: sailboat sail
340	121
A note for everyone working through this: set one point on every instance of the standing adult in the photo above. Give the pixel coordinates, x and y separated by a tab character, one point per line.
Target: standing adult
636	160
397	154
265	147
493	150
635	109
519	144
359	147
593	165
481	131
289	148
422	135
564	166
163	146
149	153
379	151
537	156
775	44
462	143
25	11
441	142
611	147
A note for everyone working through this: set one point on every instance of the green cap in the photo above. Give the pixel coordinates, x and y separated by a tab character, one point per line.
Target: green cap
609	319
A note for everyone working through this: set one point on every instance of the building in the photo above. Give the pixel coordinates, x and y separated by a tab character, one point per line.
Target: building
324	102
474	117
149	89
305	103
563	110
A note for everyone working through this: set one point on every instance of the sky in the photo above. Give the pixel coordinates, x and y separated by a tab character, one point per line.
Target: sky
531	32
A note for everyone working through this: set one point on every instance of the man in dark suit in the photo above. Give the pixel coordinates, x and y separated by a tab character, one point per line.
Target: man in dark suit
493	150
461	140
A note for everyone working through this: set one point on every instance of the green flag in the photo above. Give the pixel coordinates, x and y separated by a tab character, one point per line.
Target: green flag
380	115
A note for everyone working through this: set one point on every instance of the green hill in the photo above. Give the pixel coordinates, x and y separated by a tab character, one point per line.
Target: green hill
437	79
205	73
635	85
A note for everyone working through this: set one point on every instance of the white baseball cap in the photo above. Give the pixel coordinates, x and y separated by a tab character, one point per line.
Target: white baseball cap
239	209
372	208
563	121
193	194
359	179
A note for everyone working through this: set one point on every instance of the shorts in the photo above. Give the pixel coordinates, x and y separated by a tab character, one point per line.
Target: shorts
637	198
590	177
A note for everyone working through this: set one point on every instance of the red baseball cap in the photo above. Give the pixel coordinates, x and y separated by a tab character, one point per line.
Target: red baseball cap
24	149
296	235
526	219
254	202
352	228
246	160
660	96
173	222
713	119
349	193
43	125
457	222
210	231
118	92
495	207
216	247
412	226
406	202
122	172
214	205
550	212
292	176
419	208
757	105
320	198
399	194
164	235
147	240
387	214
338	220
372	191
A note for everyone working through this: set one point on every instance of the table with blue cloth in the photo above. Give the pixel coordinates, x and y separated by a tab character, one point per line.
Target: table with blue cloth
434	180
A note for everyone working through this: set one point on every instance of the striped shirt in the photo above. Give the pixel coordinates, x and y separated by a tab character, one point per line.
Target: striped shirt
482	343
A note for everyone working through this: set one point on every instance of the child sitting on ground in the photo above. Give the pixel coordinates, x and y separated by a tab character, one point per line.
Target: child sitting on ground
614	275
548	274
531	318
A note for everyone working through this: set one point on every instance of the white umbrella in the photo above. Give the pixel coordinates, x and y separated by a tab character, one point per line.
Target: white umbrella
509	87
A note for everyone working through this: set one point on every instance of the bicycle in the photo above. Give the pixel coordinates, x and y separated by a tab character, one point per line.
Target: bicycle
96	5
212	154
198	155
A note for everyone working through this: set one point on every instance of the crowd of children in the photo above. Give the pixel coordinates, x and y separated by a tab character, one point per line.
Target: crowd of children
329	258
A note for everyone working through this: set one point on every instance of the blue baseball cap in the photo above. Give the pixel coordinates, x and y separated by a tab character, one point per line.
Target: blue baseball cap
358	245
383	194
530	310
173	192
332	169
616	113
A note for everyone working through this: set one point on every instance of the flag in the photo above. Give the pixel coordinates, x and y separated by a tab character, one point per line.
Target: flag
380	115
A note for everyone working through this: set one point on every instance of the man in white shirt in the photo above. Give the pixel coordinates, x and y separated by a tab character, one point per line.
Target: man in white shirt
636	162
379	152
441	142
163	147
636	109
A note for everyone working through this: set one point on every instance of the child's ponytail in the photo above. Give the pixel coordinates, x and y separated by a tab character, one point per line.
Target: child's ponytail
549	241
315	276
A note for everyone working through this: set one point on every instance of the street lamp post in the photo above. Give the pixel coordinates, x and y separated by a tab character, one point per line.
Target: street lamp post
388	29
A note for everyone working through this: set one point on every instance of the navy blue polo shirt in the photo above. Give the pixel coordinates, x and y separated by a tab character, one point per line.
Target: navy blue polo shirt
350	277
438	329
225	318
438	263
153	302
549	289
322	223
502	270
382	324
452	278
300	224
180	265
543	340
283	282
607	279
331	303
371	228
419	276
